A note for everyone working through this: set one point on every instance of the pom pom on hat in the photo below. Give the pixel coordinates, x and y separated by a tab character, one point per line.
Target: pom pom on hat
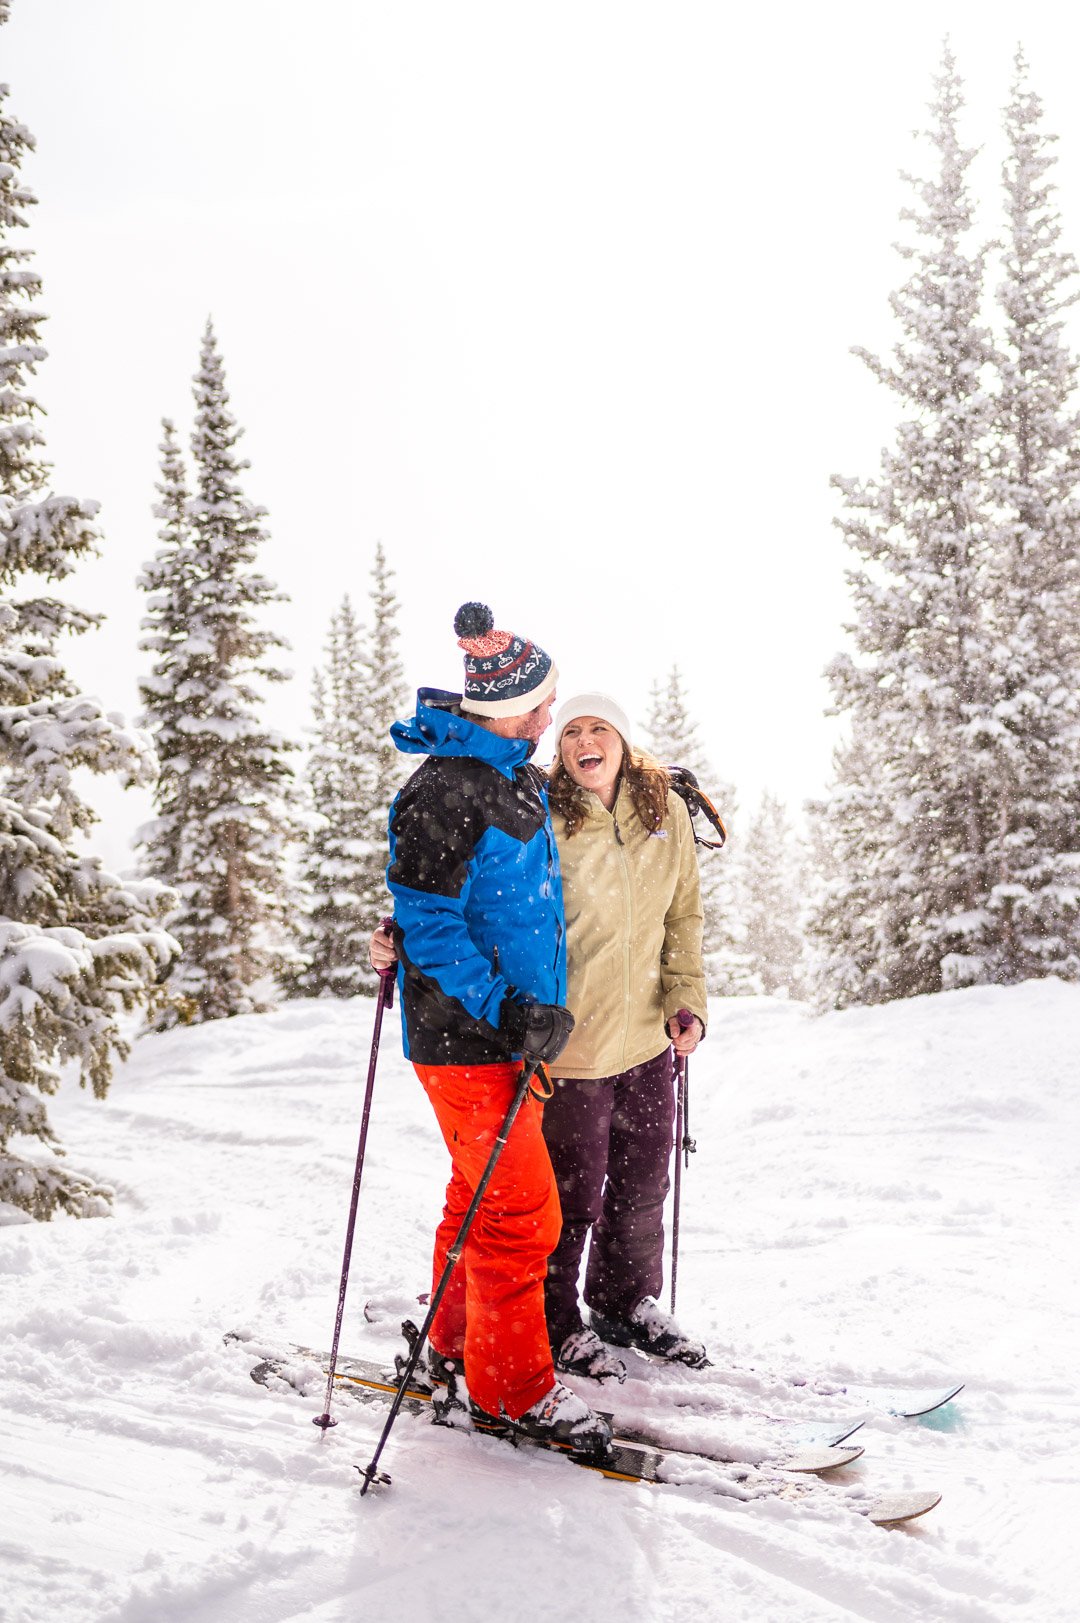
473	620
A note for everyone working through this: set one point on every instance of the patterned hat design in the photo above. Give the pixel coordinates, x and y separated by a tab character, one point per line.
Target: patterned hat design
505	675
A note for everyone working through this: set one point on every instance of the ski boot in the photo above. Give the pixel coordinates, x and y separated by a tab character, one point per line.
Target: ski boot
437	1366
648	1328
560	1419
583	1353
451	1405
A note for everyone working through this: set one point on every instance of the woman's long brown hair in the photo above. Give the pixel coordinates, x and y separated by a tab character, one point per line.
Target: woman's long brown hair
646	781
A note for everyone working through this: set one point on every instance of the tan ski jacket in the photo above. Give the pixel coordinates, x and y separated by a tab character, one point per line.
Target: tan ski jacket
633	934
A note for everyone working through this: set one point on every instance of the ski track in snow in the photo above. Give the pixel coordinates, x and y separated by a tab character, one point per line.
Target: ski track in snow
885	1197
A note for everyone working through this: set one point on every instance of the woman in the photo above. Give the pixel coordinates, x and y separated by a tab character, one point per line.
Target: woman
633	914
633	935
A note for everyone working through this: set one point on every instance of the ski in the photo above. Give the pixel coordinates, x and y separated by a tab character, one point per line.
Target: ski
682	1391
816	1454
899	1405
631	1457
911	1407
888	1400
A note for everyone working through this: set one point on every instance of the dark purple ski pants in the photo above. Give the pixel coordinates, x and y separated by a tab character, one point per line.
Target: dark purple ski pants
610	1145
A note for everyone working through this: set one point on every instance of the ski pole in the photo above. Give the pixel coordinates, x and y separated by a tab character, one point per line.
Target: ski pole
684	1145
385	1000
528	1071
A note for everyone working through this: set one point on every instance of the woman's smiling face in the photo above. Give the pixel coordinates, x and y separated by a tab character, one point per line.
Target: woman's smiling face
592	753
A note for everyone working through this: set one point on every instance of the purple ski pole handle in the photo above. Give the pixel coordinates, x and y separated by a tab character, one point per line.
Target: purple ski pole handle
686	1020
388	975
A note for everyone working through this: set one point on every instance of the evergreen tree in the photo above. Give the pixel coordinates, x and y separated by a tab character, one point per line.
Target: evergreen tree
920	690
169	582
1034	853
77	946
333	940
225	817
774	890
384	699
354	771
850	863
674	738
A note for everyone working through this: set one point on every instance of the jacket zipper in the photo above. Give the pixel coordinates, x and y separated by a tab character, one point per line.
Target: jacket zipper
559	928
628	893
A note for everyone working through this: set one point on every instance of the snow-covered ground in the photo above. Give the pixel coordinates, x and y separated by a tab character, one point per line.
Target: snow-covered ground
883	1196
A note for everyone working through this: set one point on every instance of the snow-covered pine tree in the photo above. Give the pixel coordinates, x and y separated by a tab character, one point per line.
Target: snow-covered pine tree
849	839
773	877
1034	899
919	689
224	801
674	740
354	771
77	946
168	579
384	700
333	940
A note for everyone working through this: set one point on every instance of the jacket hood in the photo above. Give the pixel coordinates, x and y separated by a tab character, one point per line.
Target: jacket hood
439	728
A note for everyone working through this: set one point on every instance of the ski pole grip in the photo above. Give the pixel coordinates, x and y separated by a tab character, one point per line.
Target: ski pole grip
388	975
685	1019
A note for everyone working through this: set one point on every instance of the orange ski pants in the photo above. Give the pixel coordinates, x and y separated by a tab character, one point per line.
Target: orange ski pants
493	1312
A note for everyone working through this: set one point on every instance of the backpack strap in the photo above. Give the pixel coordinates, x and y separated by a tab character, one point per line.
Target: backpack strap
697	803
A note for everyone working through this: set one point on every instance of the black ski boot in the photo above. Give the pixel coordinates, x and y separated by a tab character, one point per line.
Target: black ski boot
441	1369
453	1406
436	1365
651	1330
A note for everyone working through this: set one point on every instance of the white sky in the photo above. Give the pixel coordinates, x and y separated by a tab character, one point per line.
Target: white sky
555	300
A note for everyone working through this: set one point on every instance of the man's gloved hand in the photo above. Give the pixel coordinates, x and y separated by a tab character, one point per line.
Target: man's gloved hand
539	1030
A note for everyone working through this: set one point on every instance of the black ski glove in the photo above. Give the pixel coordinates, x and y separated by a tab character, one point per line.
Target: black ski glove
538	1030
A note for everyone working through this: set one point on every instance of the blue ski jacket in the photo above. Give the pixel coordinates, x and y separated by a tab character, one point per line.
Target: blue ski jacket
474	873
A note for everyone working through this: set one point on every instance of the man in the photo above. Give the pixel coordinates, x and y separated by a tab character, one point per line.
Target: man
479	932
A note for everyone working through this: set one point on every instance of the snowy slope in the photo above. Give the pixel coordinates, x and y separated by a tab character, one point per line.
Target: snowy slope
879	1196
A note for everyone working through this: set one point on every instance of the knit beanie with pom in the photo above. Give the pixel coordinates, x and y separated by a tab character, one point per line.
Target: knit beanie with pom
505	675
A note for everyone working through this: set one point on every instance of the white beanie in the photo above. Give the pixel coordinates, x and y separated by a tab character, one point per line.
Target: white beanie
601	705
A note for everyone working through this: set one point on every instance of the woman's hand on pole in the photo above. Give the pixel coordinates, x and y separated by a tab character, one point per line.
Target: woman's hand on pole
685	1038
